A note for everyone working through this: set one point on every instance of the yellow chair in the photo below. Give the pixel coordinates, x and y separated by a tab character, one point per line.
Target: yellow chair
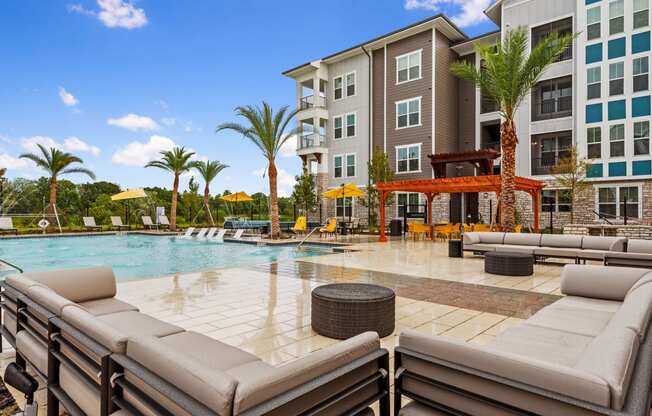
300	226
468	228
482	228
518	228
418	230
329	229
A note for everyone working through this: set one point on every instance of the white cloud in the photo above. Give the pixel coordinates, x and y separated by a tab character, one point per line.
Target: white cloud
284	181
134	122
169	121
139	153
67	98
13	163
114	13
469	12
289	148
30	144
70	144
163	104
75	144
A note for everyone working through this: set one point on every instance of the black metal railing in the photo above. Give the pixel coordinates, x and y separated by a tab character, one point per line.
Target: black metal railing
309	140
543	165
488	105
552	108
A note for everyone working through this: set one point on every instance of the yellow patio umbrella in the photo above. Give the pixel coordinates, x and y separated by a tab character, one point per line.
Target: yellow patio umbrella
350	190
127	195
237	197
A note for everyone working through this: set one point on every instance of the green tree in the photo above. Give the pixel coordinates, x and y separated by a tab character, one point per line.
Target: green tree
192	202
304	194
175	161
570	173
267	130
209	171
56	163
379	171
102	208
508	75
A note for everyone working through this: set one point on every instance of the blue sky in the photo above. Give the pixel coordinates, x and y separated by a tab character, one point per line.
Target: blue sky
115	81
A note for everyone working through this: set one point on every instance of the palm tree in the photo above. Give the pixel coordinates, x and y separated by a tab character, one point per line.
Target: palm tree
56	162
508	75
266	130
176	161
208	171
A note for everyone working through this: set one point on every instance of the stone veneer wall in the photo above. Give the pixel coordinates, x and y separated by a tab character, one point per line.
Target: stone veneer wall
630	231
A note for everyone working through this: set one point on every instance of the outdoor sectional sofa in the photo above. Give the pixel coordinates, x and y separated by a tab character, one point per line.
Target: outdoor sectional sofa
589	353
576	247
98	355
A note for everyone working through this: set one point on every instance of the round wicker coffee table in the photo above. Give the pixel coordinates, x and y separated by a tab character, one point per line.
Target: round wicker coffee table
343	310
507	263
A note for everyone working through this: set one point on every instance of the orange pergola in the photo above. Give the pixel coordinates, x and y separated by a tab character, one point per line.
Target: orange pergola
433	187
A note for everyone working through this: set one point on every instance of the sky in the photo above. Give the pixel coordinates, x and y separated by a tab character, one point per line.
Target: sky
116	81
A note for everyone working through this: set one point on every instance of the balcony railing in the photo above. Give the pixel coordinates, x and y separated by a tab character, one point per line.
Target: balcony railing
488	105
310	140
543	165
552	108
490	145
310	101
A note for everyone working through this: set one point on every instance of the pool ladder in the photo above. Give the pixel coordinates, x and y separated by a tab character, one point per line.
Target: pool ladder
4	264
307	237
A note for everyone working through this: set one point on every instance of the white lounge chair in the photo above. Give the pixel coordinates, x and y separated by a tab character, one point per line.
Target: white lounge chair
238	234
211	233
220	236
163	221
7	225
147	222
116	222
188	233
201	233
89	224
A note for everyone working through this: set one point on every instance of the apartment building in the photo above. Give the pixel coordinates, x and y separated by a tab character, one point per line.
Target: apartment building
398	96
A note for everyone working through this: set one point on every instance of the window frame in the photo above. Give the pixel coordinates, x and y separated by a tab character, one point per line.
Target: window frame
635	12
346	84
621	79
335	88
619	141
641	74
612	18
617	202
345	125
335	157
344	206
598	23
591	142
344	165
598	83
407	146
408	101
398	195
642	138
407	56
558	201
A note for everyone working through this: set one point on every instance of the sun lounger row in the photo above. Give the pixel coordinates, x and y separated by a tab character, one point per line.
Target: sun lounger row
98	355
210	234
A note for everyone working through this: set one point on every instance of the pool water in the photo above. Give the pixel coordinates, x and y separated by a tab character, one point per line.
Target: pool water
140	256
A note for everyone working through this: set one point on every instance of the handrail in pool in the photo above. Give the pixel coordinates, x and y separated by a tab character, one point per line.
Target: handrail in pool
13	266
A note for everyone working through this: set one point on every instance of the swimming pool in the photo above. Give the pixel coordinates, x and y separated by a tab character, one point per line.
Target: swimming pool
140	256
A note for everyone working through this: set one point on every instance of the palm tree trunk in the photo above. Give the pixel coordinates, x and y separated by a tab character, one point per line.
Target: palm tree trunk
273	201
207	196
173	208
53	201
508	140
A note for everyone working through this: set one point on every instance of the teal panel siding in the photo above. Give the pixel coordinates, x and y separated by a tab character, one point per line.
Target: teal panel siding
591	1
594	170
642	167
616	110
641	106
593	113
594	53
641	42
618	169
617	48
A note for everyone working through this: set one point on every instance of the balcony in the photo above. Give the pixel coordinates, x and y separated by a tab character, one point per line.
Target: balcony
488	105
311	143
552	99
548	149
309	101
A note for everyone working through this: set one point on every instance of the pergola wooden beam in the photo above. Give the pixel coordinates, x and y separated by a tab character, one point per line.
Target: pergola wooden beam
464	184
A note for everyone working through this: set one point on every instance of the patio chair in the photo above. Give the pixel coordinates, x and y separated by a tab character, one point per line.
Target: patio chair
89	224
219	238
188	233
7	225
201	233
418	230
481	228
211	233
518	228
330	229
353	226
238	234
116	223
300	226
163	221
147	222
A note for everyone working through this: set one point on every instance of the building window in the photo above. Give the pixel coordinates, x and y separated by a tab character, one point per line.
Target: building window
594	142
559	200
342	83
350	165
617	140
337	172
548	149
641	71
350	125
552	99
616	17
593	85
562	27
616	78
642	138
410	199
408	67
608	197
641	13
593	23
350	84
344	207
338	88
408	158
344	126
344	166
408	113
337	127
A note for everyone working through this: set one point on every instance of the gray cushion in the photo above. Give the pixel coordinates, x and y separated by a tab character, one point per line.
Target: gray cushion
599	282
557	252
78	285
21	282
471	238
516	249
480	247
566	318
133	323
635	311
10	324
561	240
34	351
83	395
639	246
106	306
600	305
100	331
48	298
492	237
591	254
522	239
603	243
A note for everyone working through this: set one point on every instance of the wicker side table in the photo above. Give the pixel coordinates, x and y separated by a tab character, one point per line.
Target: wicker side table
507	263
343	310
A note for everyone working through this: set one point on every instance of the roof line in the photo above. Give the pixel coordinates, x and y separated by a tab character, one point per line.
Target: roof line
483	35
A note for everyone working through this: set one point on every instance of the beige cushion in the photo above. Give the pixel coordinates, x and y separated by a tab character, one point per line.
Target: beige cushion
471	238
133	323
491	238
87	398
516	249
612	357
591	254
522	239
561	240
213	388
262	386
100	331
21	282
33	350
481	247
106	306
639	246
604	243
549	376
78	285
417	409
10	324
557	252
545	344
611	283
566	318
635	311
46	297
600	305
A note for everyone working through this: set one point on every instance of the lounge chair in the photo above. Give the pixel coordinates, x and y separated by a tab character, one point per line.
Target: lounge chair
147	222
220	236
163	221
330	229
116	223
211	233
89	224
188	233
7	225
238	234
300	226
106	357
201	233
